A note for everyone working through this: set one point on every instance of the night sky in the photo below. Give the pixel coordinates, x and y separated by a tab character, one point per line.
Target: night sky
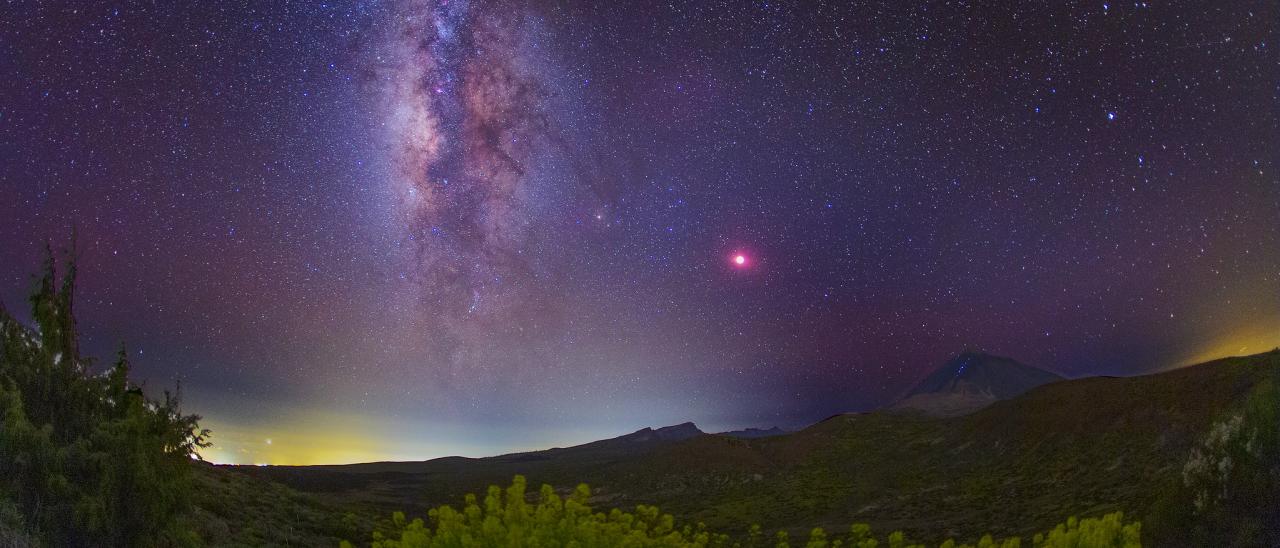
410	228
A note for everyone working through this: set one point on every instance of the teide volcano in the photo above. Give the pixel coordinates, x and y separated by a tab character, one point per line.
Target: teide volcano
971	381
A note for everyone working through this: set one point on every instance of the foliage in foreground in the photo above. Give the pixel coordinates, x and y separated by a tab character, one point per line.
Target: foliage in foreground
85	459
1230	489
505	518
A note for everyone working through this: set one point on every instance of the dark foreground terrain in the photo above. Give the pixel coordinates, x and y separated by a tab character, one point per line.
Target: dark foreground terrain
1080	447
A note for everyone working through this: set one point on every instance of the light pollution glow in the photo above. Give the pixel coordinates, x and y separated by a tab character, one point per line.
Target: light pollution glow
330	437
326	436
1255	340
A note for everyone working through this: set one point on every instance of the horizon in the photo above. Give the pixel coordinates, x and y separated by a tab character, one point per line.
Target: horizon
585	438
588	439
406	229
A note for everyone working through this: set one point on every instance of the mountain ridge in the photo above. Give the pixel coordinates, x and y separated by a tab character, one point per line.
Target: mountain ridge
970	381
754	433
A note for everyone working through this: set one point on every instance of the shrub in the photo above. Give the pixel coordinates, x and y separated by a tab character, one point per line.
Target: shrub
505	519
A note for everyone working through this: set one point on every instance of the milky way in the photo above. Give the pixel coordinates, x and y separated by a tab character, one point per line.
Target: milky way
469	129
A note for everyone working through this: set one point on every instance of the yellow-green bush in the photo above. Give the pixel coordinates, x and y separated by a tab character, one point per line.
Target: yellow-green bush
506	519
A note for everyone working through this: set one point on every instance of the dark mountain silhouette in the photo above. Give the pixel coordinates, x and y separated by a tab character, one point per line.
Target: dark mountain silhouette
626	446
1075	447
677	432
753	433
971	381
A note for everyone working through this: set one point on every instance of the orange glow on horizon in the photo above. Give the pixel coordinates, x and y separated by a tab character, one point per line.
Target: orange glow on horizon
1245	342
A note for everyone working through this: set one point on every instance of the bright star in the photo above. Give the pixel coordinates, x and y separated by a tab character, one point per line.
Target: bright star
740	260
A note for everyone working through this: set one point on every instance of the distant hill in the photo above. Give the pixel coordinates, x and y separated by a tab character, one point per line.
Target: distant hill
1075	447
339	476
753	433
971	381
668	433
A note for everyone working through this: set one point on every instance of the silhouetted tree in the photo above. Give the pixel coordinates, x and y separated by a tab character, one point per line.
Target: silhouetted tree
87	460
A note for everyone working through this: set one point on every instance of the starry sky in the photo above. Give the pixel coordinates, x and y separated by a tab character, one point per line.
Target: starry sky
404	229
